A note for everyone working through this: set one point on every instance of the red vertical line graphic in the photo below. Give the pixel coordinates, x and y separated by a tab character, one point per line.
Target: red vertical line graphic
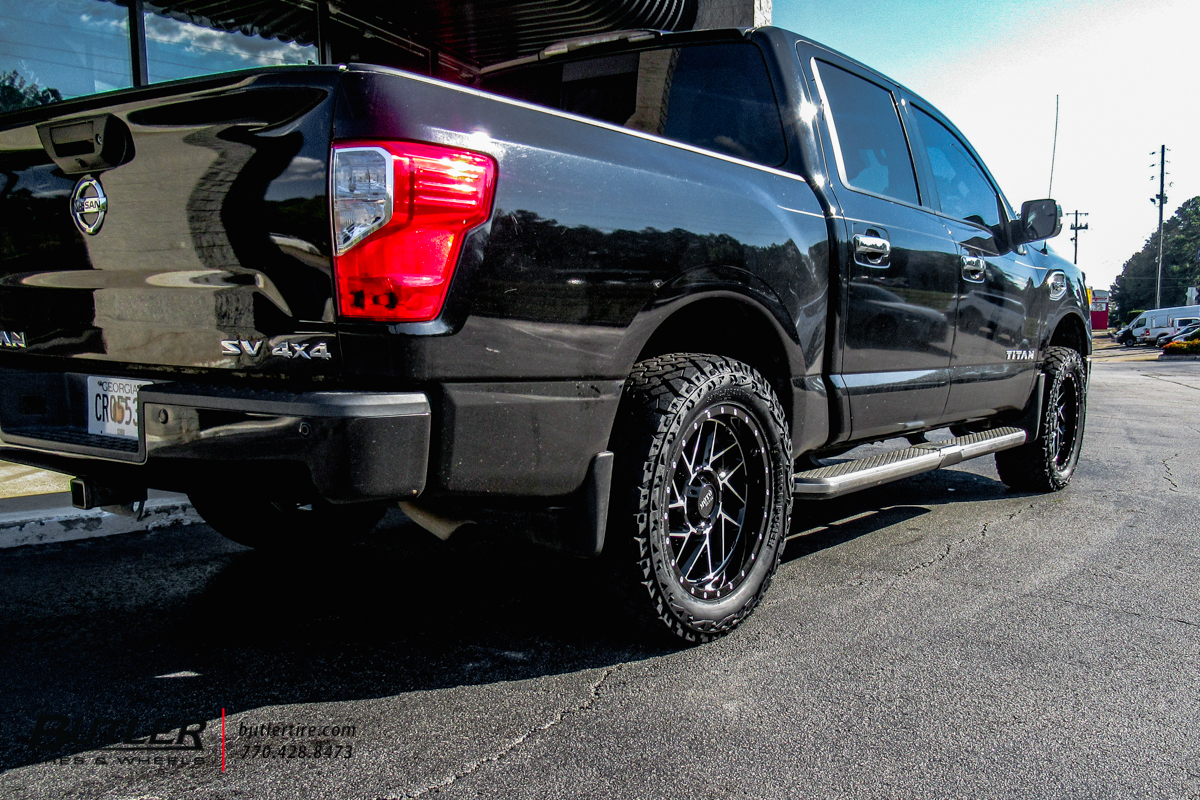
222	740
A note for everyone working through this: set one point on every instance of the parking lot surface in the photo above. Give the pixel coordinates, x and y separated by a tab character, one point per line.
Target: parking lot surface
938	637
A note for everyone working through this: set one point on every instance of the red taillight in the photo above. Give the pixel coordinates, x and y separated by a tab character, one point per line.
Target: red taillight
399	226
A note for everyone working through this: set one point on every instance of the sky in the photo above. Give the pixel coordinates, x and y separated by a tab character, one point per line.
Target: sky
1127	76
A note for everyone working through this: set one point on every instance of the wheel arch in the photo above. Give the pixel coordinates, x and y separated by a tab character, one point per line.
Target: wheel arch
731	325
1071	331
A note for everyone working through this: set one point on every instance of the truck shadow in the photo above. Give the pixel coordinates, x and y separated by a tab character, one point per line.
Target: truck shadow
819	525
180	624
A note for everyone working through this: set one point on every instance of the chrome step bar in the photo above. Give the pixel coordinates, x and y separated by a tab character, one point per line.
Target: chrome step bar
851	476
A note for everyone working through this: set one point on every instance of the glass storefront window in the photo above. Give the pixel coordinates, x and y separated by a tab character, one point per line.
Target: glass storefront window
176	49
61	49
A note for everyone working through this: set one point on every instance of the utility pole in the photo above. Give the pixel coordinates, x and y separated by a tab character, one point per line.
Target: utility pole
1076	227
1161	200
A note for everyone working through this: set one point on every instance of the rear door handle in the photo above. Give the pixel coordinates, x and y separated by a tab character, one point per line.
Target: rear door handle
872	251
972	269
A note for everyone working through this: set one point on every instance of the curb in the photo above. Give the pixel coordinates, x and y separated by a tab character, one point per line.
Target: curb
46	518
1173	357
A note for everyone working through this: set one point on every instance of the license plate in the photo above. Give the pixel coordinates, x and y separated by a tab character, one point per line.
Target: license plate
112	406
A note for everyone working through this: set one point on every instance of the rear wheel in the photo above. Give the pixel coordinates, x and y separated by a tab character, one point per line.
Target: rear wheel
279	525
702	494
1046	465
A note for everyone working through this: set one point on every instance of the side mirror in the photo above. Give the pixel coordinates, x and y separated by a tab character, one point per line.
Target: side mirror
1040	219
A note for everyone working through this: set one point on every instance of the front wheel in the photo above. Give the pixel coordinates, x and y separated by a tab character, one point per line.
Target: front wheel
702	499
1046	465
286	525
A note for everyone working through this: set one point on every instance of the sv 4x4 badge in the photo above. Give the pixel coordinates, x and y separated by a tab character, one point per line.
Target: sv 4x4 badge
252	347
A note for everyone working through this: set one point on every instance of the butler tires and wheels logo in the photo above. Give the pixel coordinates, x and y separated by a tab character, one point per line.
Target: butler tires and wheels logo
170	741
179	742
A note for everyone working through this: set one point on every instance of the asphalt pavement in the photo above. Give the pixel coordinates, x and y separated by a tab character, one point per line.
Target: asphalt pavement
937	637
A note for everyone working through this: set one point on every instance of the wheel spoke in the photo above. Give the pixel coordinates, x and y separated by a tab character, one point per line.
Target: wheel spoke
678	502
724	550
723	515
696	450
723	452
728	486
710	443
719	480
686	568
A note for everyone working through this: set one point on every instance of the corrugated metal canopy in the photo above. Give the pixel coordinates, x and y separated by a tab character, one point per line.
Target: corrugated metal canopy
490	31
479	32
289	20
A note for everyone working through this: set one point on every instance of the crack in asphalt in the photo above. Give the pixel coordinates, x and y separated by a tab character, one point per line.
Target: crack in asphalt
1116	610
942	556
475	766
950	547
1168	477
1168	380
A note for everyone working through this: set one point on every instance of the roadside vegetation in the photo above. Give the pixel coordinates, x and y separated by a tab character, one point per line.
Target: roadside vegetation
1183	348
1134	287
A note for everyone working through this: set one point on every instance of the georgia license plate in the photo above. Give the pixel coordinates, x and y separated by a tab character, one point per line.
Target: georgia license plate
112	406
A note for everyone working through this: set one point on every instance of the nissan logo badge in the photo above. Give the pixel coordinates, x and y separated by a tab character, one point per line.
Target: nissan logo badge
88	205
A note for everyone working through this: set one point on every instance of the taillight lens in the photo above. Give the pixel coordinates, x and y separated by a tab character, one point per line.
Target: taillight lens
400	212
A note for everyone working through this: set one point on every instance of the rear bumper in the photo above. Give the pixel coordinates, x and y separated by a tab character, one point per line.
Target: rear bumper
352	446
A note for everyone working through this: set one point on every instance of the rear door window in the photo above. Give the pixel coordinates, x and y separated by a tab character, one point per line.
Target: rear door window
715	96
869	141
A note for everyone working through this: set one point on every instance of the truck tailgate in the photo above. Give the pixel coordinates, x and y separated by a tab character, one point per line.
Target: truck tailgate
179	226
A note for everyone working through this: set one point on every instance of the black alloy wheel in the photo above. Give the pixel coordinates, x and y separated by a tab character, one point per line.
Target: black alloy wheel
1047	464
1064	424
702	494
716	520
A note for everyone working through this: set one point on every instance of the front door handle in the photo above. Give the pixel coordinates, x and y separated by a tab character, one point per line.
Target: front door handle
872	251
972	269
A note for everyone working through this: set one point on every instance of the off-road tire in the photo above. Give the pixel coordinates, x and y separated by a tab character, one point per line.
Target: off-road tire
1047	464
286	526
685	423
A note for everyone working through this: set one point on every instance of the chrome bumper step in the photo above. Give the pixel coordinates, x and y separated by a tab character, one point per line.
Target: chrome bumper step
851	476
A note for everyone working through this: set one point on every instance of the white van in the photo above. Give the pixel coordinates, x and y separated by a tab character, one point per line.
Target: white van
1163	322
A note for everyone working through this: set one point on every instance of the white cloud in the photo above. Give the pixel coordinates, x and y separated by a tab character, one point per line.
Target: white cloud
198	41
1125	77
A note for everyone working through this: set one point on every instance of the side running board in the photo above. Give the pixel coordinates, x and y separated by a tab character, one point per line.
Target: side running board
851	476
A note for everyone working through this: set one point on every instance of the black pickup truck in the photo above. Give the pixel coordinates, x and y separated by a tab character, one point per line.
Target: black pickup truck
644	288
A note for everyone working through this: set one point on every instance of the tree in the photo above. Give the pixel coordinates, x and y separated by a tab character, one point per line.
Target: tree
1135	286
16	93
